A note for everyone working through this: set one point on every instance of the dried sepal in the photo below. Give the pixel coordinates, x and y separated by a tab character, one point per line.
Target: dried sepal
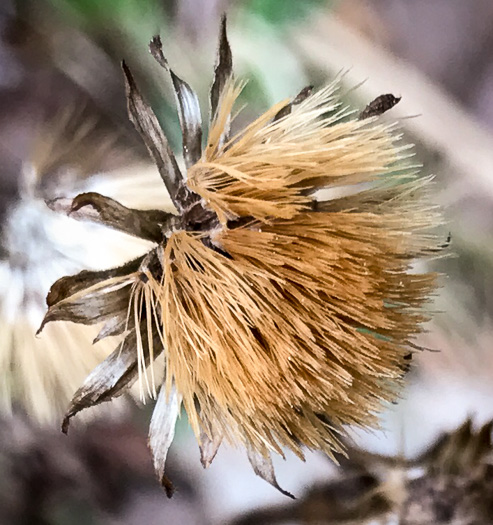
209	447
223	74
88	280
112	377
98	307
88	296
162	432
261	463
147	124
188	105
113	327
94	207
379	106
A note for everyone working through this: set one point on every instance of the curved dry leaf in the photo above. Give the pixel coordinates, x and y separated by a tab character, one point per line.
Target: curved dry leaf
223	69
189	108
146	123
94	207
162	432
112	377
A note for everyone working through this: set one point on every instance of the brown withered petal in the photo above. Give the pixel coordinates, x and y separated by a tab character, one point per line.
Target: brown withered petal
90	309
208	448
94	207
188	105
70	285
223	72
147	124
112	377
261	463
162	432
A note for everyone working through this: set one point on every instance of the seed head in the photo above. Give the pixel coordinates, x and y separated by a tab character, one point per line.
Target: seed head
282	316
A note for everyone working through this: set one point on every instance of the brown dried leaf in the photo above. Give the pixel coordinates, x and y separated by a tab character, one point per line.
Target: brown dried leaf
162	432
91	206
223	70
112	377
147	124
189	108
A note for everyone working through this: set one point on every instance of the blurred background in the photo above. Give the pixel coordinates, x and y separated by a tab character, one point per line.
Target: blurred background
63	129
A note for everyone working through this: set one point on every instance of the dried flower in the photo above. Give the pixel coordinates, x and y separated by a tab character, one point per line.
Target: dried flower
282	317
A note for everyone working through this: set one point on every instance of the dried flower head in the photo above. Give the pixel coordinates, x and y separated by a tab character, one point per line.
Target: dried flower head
282	317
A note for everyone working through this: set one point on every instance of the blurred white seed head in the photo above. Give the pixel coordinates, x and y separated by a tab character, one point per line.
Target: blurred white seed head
38	246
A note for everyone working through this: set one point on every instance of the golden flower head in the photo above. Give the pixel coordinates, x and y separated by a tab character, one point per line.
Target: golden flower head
282	317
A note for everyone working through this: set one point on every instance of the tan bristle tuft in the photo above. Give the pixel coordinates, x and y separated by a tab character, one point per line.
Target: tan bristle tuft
263	170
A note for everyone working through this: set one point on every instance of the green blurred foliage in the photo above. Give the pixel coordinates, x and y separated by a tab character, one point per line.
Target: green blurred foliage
284	11
96	10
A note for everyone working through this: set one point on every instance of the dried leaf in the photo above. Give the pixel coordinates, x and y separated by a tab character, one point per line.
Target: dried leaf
111	378
223	70
263	467
91	206
147	124
72	284
208	448
379	106
162	432
92	308
189	108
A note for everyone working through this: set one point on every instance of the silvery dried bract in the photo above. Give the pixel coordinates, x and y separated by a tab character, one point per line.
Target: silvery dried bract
282	317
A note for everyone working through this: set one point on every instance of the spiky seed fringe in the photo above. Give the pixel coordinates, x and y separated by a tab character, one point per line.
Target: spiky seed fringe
350	307
265	166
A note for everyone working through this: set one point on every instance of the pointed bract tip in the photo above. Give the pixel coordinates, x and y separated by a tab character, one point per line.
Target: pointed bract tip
379	106
156	50
66	424
129	79
167	486
41	326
